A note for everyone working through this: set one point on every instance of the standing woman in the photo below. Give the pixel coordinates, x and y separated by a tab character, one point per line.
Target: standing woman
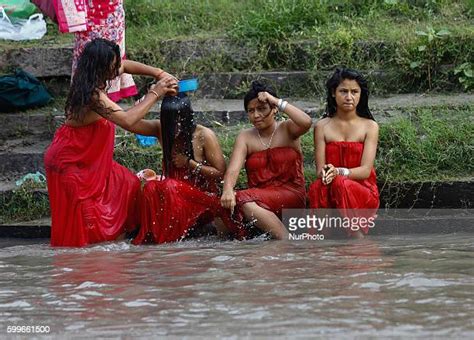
271	152
345	143
92	19
193	165
93	198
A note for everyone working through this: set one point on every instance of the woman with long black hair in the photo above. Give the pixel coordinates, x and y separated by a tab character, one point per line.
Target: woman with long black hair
345	144
193	165
93	198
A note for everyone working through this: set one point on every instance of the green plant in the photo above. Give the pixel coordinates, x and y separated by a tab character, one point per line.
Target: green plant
465	75
429	53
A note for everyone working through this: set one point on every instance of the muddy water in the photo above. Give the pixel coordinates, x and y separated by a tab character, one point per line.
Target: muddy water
412	285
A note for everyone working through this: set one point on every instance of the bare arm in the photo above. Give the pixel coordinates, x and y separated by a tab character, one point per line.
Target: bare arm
237	160
368	156
319	147
134	67
147	127
299	122
213	155
128	119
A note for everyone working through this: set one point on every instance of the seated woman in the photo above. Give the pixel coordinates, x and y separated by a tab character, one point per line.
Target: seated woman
345	143
92	198
193	165
271	151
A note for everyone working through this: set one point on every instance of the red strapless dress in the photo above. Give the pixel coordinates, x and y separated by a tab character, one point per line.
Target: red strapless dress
92	198
171	207
275	182
344	193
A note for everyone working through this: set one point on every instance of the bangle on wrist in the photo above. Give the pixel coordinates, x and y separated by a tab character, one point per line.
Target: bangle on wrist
197	169
343	171
155	93
282	105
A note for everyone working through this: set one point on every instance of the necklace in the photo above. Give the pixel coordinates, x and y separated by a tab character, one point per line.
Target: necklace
267	145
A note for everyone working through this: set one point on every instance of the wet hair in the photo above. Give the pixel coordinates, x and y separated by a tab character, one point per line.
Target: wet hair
340	75
99	62
256	87
176	109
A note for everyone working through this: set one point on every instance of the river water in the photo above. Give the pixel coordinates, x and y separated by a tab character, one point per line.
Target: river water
409	285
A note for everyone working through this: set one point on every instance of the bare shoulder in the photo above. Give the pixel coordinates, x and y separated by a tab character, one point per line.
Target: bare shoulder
371	125
321	123
205	132
245	133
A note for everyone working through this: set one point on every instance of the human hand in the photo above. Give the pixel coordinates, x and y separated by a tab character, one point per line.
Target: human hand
165	85
266	97
329	173
228	200
163	74
180	160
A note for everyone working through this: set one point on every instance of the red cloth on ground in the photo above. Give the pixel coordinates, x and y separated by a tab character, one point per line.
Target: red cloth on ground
170	207
92	198
275	182
344	193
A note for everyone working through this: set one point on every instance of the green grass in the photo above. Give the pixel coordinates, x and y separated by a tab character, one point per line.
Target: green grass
433	144
370	35
427	145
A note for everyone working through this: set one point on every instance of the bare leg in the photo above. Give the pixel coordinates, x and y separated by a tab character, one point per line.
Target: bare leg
266	220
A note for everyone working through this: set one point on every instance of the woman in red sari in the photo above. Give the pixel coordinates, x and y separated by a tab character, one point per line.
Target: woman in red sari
93	198
193	165
345	143
271	152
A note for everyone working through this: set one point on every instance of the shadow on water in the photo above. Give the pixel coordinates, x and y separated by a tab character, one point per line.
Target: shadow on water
393	285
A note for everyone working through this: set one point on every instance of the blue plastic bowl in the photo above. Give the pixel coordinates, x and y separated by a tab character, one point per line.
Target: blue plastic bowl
188	85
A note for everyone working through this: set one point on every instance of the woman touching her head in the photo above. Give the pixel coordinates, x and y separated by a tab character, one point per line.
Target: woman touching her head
271	153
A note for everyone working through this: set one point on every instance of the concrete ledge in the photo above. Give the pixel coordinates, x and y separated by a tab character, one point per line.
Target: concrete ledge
385	226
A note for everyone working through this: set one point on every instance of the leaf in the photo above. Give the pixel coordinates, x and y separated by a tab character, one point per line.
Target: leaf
443	32
421	33
414	64
468	72
421	48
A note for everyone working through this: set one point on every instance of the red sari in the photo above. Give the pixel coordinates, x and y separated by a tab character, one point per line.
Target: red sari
92	198
275	182
344	193
171	207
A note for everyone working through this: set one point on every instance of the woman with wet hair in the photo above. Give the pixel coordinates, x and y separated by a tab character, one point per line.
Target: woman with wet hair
193	165
93	198
345	144
271	152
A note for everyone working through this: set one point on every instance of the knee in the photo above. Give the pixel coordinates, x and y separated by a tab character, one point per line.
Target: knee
248	209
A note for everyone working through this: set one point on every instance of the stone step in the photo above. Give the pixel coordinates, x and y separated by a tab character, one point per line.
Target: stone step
296	84
29	128
22	160
15	125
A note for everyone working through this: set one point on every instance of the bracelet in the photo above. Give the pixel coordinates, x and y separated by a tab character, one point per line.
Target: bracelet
343	171
197	169
282	105
280	101
155	93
